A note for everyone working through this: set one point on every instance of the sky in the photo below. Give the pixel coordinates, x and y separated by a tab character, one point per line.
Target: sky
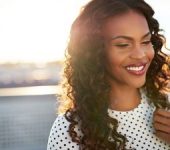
37	30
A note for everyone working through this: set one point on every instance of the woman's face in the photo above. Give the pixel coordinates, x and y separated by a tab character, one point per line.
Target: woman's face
128	48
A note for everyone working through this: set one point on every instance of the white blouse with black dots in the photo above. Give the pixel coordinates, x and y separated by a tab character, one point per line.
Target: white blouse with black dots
136	125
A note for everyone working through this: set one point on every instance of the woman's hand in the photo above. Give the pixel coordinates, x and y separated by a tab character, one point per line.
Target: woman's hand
162	124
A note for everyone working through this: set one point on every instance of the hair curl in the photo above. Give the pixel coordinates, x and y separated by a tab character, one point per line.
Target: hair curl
86	85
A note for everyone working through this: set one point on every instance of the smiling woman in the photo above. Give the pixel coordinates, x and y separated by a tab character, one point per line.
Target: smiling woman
35	30
112	62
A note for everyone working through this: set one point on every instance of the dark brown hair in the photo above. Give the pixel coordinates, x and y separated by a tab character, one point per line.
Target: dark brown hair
86	85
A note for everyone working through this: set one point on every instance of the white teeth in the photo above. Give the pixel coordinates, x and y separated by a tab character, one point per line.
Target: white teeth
135	68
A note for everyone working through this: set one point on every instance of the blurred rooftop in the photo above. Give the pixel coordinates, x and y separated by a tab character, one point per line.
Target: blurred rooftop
29	74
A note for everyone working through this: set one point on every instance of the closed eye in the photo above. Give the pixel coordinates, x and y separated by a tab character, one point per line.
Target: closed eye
146	42
121	45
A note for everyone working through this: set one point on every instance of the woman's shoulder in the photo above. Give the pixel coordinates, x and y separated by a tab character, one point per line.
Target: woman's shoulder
61	122
59	137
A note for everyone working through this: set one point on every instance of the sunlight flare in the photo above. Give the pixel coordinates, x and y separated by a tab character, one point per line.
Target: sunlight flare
35	30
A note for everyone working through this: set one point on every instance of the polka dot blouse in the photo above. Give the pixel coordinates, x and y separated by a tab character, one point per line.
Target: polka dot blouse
136	125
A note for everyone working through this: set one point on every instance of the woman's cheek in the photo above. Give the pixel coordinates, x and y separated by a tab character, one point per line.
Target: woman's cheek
151	54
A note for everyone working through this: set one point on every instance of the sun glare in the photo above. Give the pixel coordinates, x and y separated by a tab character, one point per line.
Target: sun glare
35	30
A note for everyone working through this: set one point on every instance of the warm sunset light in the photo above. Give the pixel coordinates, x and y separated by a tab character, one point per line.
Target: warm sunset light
37	30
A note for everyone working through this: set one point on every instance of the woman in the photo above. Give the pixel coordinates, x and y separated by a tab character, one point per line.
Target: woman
111	70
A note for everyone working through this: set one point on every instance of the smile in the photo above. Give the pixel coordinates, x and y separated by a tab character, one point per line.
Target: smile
136	70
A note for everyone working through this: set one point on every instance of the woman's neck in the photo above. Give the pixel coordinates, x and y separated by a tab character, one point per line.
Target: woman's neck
124	99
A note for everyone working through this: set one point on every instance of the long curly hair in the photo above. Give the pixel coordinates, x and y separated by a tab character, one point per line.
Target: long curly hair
86	84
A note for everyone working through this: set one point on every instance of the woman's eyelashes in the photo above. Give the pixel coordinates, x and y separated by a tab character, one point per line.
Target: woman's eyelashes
148	42
121	45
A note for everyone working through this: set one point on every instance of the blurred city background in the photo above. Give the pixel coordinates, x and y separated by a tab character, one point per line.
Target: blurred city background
28	104
33	37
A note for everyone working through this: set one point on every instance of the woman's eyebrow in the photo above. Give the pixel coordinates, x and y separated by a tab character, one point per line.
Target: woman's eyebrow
146	35
128	37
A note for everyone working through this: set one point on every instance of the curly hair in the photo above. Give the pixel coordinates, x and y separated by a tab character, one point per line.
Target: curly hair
86	84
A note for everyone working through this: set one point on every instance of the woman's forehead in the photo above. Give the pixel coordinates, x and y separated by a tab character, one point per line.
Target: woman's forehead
127	24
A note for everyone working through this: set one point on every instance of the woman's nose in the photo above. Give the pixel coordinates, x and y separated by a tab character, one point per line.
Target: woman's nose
138	52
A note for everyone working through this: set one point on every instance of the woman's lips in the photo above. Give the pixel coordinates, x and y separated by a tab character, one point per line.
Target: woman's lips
136	69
